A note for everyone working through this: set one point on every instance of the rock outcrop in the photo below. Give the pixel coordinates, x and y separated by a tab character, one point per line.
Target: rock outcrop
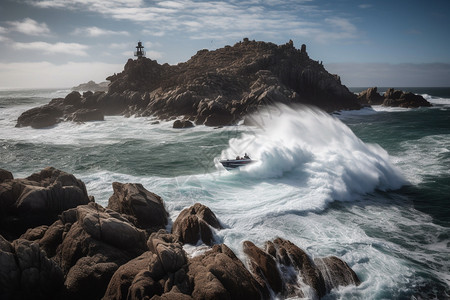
194	224
38	200
120	252
144	209
92	86
213	88
394	98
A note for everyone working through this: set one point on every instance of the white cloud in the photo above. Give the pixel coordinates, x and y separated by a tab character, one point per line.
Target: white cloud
364	6
221	19
46	74
29	26
95	32
65	48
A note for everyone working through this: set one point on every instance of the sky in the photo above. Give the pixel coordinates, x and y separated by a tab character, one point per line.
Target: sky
62	43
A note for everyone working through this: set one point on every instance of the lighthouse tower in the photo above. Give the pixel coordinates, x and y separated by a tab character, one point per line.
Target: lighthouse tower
139	52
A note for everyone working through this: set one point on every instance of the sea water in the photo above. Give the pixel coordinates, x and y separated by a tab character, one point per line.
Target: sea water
370	186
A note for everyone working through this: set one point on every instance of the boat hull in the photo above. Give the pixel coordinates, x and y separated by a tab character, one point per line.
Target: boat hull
232	164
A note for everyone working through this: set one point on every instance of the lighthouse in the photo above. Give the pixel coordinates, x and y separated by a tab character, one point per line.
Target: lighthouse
139	52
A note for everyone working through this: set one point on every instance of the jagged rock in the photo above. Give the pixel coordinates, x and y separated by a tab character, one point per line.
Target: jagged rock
92	86
219	274
40	117
193	224
395	98
145	209
182	124
97	242
264	267
398	98
160	272
371	97
5	175
336	272
38	200
215	87
26	272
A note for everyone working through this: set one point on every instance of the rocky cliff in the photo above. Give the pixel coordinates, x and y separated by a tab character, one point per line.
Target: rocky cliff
213	88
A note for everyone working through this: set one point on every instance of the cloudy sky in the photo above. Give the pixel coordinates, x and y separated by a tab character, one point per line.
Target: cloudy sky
61	43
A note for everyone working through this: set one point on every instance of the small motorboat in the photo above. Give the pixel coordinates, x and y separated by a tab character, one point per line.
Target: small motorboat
231	164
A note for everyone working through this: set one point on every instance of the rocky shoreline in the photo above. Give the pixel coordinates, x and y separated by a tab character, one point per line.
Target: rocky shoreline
213	88
56	242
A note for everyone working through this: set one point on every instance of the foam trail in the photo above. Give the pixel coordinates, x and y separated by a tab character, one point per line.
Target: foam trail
315	152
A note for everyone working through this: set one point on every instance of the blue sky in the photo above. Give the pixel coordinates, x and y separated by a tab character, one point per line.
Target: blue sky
61	43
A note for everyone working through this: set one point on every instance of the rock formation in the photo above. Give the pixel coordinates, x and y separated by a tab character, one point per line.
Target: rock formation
38	200
395	98
213	88
121	252
92	86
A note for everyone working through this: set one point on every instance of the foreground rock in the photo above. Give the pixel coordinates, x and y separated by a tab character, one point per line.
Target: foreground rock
145	209
194	224
38	200
394	98
213	88
92	252
281	263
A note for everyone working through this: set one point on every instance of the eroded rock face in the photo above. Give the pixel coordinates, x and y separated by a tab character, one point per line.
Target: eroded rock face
395	98
282	262
214	88
145	209
26	272
193	224
38	200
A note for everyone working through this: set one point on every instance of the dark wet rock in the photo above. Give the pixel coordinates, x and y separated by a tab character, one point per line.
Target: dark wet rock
264	267
145	209
157	272
398	98
336	272
40	117
26	272
219	274
193	224
95	242
86	115
370	97
38	200
217	87
182	124
5	175
392	97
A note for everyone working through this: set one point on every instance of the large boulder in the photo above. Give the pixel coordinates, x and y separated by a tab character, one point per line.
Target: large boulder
219	274
38	200
194	224
336	272
5	175
40	117
145	209
370	97
399	98
86	115
27	273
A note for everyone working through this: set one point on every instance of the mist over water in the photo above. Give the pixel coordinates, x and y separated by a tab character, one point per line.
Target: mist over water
370	186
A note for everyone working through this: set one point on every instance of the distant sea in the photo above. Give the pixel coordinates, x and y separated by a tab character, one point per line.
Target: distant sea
370	186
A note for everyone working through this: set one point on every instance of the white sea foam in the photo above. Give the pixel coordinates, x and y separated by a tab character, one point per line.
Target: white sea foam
306	152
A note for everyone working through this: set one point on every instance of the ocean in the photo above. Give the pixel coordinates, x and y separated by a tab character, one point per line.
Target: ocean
370	186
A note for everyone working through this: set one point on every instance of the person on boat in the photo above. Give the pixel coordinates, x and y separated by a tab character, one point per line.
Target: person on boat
246	156
238	158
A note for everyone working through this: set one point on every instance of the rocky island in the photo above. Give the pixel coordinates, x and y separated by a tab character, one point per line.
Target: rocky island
213	88
57	243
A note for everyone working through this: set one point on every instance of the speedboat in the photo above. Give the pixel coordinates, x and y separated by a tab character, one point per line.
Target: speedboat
231	164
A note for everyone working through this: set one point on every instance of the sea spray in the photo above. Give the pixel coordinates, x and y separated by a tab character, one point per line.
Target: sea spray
317	152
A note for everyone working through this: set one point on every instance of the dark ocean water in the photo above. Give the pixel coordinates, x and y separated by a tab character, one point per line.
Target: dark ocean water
371	187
